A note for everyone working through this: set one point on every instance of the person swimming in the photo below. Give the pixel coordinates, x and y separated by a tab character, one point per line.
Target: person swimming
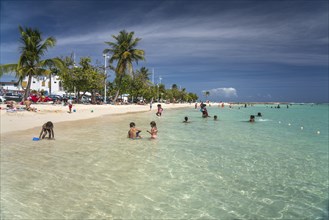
186	120
259	114
252	118
215	118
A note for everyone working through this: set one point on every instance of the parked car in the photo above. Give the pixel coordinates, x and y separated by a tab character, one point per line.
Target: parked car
56	97
2	99
11	97
85	99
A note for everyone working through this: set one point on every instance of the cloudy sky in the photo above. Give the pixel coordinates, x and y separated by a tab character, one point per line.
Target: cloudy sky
269	50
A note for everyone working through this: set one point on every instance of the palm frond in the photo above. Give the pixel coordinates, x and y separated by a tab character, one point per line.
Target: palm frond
8	68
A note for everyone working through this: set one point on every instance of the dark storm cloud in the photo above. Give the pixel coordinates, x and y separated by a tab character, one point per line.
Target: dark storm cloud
228	42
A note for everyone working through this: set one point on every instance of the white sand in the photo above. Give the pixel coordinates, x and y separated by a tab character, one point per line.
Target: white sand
22	120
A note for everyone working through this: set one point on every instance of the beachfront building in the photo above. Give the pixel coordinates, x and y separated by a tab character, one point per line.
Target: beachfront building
11	86
40	83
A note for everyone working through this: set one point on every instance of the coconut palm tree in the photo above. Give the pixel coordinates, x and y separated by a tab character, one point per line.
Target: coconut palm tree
30	63
144	75
124	51
206	93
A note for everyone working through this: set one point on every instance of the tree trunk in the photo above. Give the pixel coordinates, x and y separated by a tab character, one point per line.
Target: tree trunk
49	85
27	90
119	85
116	96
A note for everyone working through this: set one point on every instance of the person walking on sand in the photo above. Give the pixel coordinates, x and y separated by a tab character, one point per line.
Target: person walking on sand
151	102
70	105
154	130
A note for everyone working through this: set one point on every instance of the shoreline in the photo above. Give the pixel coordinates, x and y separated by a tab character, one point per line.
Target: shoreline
24	120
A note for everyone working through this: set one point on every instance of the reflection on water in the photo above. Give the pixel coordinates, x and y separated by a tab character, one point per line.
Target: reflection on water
226	169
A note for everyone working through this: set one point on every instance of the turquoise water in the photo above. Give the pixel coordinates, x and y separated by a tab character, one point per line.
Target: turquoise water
206	169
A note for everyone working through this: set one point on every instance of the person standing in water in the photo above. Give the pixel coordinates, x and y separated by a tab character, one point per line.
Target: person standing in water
160	109
154	130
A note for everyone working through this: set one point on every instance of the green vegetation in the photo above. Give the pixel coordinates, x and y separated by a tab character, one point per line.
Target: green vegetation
124	51
30	63
87	77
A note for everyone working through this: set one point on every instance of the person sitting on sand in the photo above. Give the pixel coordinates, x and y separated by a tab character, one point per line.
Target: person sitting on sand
47	128
133	132
28	107
154	130
11	105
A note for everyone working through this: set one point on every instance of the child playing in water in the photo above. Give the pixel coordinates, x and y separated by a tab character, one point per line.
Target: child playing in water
160	109
154	130
186	120
133	132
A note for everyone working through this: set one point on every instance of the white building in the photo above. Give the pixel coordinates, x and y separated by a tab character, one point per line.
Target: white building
38	83
10	87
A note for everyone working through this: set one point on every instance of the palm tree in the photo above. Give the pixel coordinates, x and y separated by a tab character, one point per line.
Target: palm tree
206	93
30	64
144	75
124	51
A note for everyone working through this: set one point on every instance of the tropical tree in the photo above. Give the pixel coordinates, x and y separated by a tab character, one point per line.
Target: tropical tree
84	78
206	93
30	63
124	52
140	82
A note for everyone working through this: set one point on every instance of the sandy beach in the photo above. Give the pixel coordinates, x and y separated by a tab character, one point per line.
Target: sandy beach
22	120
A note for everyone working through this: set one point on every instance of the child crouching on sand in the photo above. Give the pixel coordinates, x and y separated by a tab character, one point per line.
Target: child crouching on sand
154	130
47	128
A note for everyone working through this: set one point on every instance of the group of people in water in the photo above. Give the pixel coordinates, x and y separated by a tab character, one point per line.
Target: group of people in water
134	133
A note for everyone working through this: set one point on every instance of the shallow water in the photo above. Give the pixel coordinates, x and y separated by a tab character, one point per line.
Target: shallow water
226	169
